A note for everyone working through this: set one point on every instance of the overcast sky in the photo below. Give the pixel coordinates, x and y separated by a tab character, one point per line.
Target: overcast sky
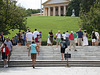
33	4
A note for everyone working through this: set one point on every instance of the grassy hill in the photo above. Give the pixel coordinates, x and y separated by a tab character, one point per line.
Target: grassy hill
45	24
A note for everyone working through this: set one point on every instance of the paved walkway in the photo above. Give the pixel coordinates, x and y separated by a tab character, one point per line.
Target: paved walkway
50	71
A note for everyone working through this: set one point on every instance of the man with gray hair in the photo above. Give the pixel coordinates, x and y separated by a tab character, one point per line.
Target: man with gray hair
9	45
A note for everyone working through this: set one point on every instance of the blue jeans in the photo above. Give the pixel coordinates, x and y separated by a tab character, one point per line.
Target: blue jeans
67	41
24	42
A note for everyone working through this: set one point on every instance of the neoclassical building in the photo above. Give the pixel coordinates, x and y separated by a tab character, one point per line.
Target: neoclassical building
55	7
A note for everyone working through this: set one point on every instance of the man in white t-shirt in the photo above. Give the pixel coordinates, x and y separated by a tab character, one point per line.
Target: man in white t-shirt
58	38
97	36
64	36
35	33
29	38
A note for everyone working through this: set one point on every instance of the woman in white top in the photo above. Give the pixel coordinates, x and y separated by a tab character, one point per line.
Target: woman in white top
48	41
85	38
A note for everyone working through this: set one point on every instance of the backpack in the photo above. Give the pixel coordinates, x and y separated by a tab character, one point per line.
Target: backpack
64	44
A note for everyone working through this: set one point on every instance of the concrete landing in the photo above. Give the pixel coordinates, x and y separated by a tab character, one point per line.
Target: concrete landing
50	71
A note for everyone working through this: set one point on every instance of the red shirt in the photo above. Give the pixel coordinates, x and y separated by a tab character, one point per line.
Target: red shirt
71	36
37	39
6	50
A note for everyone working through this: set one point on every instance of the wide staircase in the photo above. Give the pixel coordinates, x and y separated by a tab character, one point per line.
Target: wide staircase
50	56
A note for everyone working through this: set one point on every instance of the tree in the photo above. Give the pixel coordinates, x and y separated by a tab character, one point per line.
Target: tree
91	21
73	4
32	11
86	5
11	16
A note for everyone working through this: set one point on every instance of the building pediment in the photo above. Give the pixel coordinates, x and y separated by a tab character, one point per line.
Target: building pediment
55	2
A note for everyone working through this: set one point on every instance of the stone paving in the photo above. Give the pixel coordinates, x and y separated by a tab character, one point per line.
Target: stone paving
53	53
50	71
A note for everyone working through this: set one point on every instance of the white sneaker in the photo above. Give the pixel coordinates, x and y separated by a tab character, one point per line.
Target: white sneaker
6	66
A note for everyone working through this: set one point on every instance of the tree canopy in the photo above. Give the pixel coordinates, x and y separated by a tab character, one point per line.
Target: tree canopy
91	20
11	16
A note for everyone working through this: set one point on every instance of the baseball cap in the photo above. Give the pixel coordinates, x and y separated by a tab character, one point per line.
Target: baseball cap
71	31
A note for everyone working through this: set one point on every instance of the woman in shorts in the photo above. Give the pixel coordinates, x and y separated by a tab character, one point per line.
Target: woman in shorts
63	46
33	49
4	54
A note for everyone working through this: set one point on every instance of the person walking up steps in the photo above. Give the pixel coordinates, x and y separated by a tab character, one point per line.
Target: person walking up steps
64	36
80	37
4	54
48	41
35	33
37	41
67	38
9	45
58	38
40	33
72	42
51	37
33	49
29	39
63	46
75	38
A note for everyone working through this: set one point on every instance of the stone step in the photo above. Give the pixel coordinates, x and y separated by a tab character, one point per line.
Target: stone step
53	53
53	63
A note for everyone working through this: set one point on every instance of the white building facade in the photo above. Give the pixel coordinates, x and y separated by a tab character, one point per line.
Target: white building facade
55	7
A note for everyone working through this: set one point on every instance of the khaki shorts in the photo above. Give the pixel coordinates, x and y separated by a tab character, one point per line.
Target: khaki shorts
40	39
76	40
33	56
29	42
38	44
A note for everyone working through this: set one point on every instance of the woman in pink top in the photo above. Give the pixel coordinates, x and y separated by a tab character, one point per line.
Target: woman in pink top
37	41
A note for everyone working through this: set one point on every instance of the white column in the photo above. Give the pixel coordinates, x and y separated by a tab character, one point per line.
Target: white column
44	11
48	11
59	12
54	11
64	10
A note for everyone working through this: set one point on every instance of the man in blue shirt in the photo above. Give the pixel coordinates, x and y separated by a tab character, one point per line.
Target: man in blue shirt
67	38
80	37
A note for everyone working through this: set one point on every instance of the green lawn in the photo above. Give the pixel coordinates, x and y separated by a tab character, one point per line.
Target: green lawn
45	24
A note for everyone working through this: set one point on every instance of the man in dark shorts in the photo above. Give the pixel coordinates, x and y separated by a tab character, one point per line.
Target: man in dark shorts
19	37
63	46
51	37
